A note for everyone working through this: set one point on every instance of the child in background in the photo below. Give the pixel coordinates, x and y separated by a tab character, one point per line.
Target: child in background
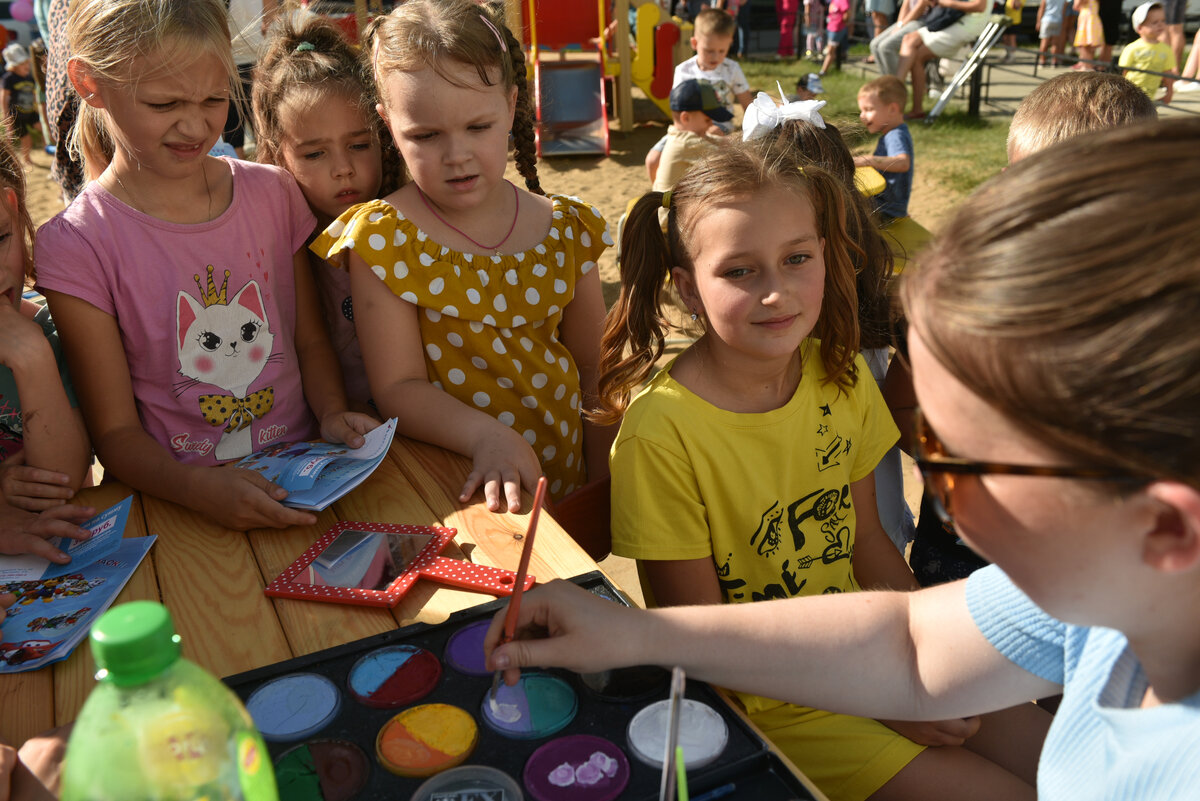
881	108
314	115
835	24
1149	52
743	472
1050	32
178	280
1089	33
43	443
711	40
18	98
814	29
694	109
478	305
1012	10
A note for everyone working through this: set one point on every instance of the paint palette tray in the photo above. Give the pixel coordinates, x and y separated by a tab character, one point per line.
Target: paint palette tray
404	714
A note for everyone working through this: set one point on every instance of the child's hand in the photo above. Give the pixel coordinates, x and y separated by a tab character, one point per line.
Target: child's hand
955	731
862	161
502	458
245	499
32	488
24	532
21	339
347	427
714	130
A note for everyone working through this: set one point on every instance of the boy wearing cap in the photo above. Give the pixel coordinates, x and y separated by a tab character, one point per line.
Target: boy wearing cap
18	97
1149	52
695	107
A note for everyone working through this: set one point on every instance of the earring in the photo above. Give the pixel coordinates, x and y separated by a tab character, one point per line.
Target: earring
694	316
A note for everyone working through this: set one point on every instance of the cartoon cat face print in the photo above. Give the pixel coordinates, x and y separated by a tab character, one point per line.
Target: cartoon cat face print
224	344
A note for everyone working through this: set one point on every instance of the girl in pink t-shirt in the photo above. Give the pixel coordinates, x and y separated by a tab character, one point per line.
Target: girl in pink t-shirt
178	281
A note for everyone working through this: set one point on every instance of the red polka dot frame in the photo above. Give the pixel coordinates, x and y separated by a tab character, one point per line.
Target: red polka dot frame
309	576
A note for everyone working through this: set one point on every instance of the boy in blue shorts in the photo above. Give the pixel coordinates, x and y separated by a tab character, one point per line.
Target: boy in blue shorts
881	108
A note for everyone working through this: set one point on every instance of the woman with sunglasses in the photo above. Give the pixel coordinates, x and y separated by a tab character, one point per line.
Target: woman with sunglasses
1055	344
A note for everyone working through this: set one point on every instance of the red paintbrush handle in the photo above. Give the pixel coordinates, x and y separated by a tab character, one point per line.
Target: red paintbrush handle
514	604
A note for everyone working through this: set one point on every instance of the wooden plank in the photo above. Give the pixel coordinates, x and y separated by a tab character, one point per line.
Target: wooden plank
209	579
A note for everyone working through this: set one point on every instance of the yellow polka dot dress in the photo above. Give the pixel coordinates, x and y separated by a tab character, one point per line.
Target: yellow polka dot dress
490	324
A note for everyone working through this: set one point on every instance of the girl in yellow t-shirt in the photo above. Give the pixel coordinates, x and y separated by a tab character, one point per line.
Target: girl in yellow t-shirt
744	471
477	304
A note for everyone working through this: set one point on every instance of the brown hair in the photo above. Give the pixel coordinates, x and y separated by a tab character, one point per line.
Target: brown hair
825	148
104	35
887	89
12	176
428	33
1066	293
304	65
1074	103
715	22
740	170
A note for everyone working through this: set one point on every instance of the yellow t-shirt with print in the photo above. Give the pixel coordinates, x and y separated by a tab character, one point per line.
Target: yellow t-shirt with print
490	324
767	497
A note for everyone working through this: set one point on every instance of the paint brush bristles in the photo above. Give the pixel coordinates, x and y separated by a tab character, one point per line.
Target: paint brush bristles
514	601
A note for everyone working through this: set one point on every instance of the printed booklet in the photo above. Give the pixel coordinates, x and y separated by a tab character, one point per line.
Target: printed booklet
57	604
316	474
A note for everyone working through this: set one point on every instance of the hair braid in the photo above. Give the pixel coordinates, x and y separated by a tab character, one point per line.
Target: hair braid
522	130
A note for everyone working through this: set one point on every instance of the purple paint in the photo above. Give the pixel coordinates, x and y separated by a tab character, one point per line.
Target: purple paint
579	767
464	651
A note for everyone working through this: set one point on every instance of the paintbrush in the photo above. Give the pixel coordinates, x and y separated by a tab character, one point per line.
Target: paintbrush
514	602
673	755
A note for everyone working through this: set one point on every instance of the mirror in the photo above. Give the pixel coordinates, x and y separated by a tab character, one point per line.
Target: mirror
365	560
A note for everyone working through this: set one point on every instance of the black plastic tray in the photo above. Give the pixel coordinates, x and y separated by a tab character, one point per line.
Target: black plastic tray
746	762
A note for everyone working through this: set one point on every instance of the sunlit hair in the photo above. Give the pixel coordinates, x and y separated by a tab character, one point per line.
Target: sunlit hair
1066	294
825	148
12	176
436	33
635	329
106	36
886	89
1074	103
291	78
715	22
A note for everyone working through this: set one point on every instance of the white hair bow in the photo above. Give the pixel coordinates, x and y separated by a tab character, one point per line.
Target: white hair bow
764	116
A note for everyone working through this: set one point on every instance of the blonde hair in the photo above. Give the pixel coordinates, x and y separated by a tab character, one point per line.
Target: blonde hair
303	65
1066	292
106	35
715	22
423	34
887	89
636	324
1074	103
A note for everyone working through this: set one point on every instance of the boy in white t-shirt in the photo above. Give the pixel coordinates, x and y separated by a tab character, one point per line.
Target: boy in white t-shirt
711	39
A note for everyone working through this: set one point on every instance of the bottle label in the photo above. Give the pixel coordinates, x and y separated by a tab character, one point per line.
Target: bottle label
255	775
181	749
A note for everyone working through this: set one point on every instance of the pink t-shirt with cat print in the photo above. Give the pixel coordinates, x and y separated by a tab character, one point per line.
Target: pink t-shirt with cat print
207	312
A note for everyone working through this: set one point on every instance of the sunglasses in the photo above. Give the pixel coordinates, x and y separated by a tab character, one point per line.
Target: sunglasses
939	469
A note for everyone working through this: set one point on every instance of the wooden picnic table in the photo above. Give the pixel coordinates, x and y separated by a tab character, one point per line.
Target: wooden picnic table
212	578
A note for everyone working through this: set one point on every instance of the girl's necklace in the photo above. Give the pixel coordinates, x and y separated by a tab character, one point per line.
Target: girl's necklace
138	206
460	232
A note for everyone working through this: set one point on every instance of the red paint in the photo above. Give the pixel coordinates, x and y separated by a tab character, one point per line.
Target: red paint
415	679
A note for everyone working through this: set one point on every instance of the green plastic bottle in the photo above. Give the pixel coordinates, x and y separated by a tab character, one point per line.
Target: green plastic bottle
157	727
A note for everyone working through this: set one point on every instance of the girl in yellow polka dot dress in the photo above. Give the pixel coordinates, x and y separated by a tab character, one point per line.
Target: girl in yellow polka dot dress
477	303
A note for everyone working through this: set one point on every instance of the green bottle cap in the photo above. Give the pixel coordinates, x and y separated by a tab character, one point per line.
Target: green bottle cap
134	642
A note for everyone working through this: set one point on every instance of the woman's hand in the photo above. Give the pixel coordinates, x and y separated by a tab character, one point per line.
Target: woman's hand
32	488
502	460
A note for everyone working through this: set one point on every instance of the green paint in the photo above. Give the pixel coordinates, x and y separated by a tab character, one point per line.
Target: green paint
551	701
296	775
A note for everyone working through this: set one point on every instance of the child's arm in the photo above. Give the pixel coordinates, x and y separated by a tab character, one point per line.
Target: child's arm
390	338
745	98
91	340
900	162
581	329
54	458
320	373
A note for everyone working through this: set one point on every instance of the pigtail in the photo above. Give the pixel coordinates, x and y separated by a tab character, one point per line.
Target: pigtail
523	119
635	323
837	327
12	176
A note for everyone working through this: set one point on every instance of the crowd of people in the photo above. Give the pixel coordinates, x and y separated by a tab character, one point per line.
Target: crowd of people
375	262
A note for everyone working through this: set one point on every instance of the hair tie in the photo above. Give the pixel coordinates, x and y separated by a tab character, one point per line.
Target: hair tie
666	200
305	47
763	116
496	31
